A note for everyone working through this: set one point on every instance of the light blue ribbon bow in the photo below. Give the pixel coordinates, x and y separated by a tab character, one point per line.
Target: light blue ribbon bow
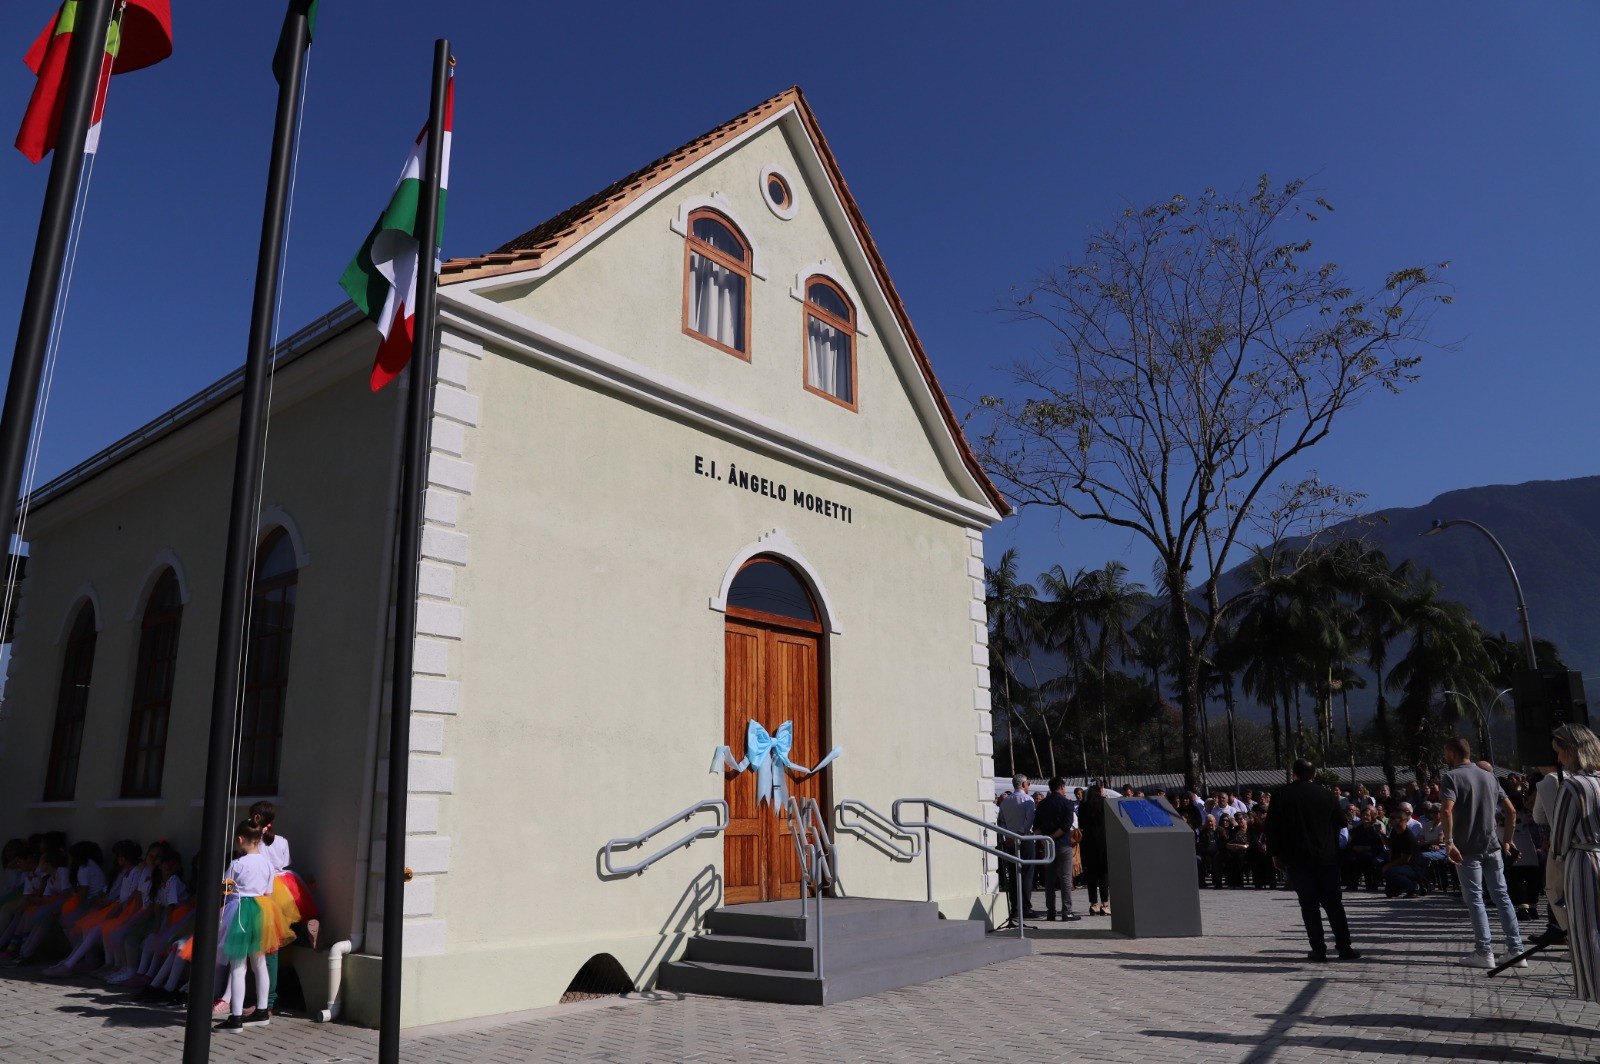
769	756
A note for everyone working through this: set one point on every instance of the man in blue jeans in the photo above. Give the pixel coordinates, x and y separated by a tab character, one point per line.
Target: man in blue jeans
1469	796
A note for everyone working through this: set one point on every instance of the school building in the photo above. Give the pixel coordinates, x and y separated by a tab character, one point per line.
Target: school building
690	467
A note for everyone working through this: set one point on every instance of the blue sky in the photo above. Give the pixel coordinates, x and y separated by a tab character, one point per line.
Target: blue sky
980	142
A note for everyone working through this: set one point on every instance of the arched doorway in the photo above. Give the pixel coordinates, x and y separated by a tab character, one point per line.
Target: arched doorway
773	673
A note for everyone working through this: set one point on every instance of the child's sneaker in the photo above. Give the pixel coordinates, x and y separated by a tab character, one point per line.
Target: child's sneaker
258	1018
232	1025
219	1007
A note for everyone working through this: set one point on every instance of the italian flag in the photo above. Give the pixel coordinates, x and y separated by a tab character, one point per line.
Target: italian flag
141	37
382	278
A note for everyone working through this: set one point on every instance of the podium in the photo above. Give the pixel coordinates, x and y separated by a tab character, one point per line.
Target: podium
1155	889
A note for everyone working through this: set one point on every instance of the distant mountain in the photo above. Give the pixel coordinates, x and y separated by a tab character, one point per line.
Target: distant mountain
1551	531
1549	528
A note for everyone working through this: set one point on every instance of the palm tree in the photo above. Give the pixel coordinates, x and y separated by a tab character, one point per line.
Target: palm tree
1262	648
1113	603
1062	624
1446	653
1151	638
1380	591
1011	605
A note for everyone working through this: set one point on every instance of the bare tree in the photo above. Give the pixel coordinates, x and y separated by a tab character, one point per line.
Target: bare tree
1196	355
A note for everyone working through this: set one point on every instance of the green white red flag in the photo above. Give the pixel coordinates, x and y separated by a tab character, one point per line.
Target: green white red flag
141	37
382	278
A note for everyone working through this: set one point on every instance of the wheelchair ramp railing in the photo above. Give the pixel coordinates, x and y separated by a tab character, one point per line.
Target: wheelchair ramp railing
1023	843
819	863
718	806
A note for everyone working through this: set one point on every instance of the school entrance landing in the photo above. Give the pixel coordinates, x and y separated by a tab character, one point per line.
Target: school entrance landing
1240	994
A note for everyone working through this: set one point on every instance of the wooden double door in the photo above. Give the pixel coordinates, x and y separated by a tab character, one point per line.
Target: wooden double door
773	675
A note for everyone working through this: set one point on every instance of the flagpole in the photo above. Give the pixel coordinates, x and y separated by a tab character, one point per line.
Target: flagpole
50	252
215	832
419	417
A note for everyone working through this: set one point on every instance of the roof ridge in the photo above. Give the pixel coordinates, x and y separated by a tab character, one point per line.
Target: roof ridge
555	233
554	236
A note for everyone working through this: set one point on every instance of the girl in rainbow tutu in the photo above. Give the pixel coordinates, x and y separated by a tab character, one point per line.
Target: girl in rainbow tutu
253	926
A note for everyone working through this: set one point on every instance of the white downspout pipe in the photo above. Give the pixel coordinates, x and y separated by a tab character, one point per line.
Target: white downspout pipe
358	909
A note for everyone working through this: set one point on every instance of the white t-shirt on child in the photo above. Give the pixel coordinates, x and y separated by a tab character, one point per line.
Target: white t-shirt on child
59	882
251	875
172	892
277	853
92	876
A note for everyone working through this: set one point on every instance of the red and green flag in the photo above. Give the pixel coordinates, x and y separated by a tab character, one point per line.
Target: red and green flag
382	278
141	38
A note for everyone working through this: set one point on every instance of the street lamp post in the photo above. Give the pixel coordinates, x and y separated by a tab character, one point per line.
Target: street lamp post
1483	718
1522	603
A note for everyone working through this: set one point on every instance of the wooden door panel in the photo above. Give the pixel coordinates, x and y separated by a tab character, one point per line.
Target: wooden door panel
792	683
771	676
744	689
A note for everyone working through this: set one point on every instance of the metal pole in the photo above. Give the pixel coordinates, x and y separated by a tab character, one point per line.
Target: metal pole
1522	603
419	417
50	251
1021	920
240	552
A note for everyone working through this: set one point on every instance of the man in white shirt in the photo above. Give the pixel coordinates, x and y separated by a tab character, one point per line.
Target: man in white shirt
1016	814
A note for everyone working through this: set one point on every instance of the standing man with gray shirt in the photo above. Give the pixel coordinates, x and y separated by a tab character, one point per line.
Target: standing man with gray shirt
1478	849
1017	811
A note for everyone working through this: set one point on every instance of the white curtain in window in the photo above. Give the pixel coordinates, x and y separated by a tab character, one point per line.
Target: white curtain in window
716	302
829	358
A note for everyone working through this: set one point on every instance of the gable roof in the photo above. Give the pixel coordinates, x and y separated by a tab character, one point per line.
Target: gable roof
547	240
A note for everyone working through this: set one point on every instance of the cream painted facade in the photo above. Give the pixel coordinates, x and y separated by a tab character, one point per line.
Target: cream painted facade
577	554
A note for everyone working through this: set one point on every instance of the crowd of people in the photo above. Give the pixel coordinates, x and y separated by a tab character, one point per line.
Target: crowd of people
1525	844
134	928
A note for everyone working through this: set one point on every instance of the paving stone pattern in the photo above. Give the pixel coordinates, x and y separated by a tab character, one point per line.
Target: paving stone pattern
1242	994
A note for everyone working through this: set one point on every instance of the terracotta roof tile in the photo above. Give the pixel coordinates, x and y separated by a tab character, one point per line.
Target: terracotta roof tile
548	239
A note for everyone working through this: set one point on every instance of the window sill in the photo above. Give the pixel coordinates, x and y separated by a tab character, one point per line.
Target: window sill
131	803
243	799
52	805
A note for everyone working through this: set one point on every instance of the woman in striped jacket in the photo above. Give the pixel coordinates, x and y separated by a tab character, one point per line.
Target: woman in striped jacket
1575	838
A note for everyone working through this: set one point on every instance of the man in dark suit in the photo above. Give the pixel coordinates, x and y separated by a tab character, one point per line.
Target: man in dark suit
1058	818
1303	822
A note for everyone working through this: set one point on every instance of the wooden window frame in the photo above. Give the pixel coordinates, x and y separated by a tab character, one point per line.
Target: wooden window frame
72	708
788	193
152	630
278	683
847	327
692	246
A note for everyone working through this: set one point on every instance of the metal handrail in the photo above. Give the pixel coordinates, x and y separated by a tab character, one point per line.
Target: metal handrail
927	825
868	826
813	847
706	831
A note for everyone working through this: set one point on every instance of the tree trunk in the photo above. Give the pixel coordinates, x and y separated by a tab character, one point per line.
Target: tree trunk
1188	676
1011	728
1349	737
1277	736
1383	737
1161	721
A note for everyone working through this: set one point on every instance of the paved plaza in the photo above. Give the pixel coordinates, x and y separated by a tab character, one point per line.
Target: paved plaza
1242	993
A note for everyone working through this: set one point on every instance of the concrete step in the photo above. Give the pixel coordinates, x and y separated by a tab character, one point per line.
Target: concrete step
841	916
840	948
840	983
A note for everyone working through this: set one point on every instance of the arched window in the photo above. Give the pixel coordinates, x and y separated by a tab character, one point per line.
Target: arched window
767	589
830	343
716	284
72	704
146	753
266	671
